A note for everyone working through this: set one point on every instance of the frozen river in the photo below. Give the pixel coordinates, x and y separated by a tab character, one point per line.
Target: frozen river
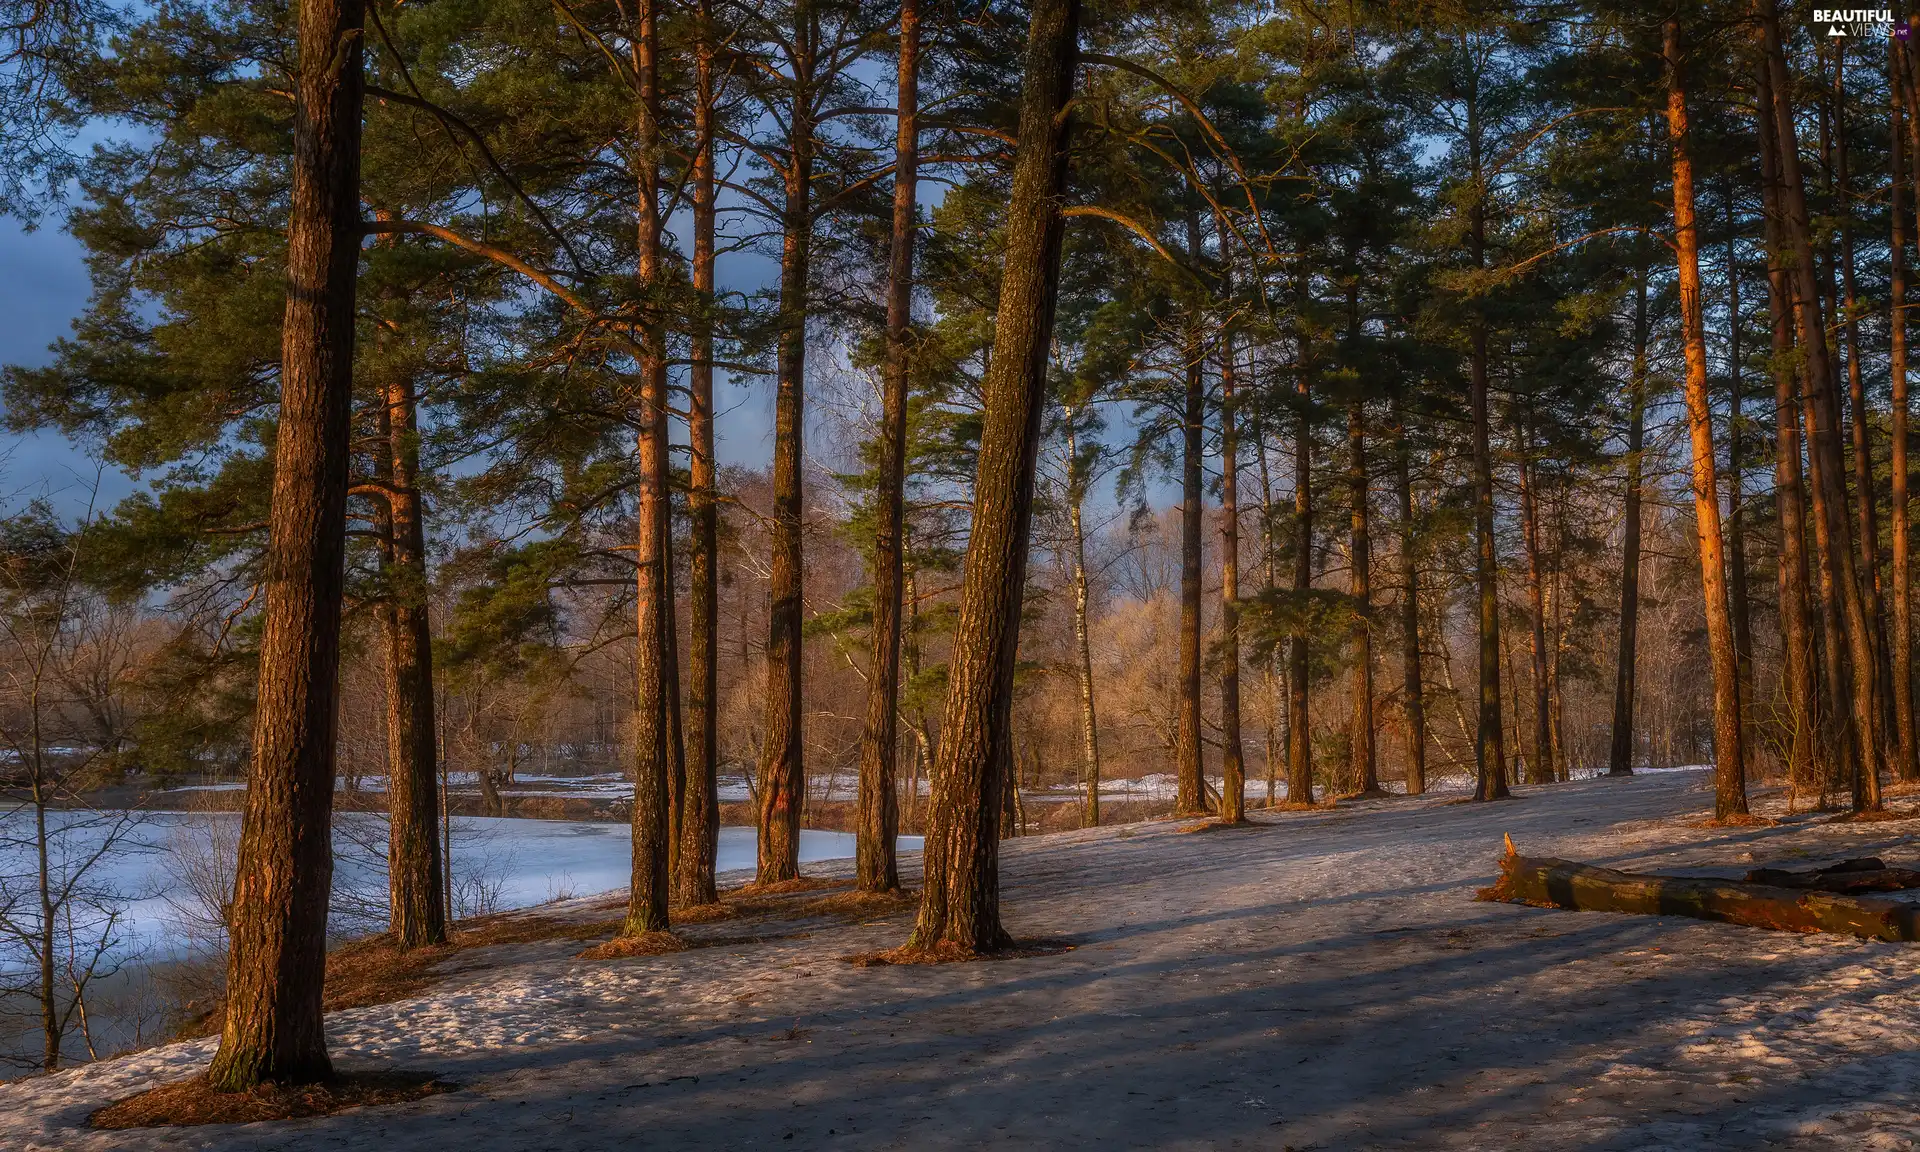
156	876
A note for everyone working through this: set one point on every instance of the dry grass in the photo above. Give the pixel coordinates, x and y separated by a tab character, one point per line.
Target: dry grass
703	913
750	892
861	905
1476	800
1877	816
644	944
1368	794
188	1102
1218	825
943	953
1743	820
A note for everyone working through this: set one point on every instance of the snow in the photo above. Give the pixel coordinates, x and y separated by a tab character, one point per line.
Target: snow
1323	979
520	862
610	785
563	858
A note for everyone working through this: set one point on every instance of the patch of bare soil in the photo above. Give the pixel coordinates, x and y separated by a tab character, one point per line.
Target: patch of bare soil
191	1102
951	954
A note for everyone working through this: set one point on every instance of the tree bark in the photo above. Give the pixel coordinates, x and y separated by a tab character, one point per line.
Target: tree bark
1736	527
1490	752
1905	132
875	866
1824	435
418	915
1866	529
783	776
1620	753
1413	690
277	958
1299	657
1795	611
1269	555
1364	764
1082	638
960	905
1540	762
1233	766
1190	795
1730	780
653	736
699	835
1550	883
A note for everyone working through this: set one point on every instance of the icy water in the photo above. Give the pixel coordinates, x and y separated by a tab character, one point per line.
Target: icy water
143	878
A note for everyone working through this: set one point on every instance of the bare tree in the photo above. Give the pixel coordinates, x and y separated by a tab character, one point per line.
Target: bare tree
60	912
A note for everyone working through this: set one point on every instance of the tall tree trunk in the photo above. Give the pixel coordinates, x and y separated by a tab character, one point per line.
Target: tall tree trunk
783	776
1190	794
699	838
910	659
653	736
1818	411
1824	435
1797	672
960	905
875	867
1233	766
1082	636
277	958
1413	690
1364	764
1833	658
1490	752
1299	658
1620	754
1866	529
1730	781
1736	463
417	913
1540	762
1269	545
1905	131
1556	644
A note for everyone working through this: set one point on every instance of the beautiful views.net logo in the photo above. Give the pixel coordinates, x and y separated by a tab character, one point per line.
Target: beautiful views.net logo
1860	22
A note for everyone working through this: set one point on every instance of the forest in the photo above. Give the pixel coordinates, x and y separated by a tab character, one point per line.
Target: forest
953	420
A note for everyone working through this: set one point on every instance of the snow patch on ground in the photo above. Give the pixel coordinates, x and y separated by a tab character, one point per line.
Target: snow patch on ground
1319	980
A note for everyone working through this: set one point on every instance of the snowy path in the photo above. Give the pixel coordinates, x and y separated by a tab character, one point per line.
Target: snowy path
1321	981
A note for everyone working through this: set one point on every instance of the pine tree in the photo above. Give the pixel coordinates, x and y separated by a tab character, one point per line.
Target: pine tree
272	1029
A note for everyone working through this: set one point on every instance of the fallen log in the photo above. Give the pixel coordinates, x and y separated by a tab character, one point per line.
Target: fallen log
1548	883
1866	875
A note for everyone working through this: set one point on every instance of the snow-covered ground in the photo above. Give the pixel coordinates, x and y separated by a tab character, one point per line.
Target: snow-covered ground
1321	980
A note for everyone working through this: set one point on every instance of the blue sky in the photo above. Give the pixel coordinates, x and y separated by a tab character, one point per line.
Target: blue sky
43	286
